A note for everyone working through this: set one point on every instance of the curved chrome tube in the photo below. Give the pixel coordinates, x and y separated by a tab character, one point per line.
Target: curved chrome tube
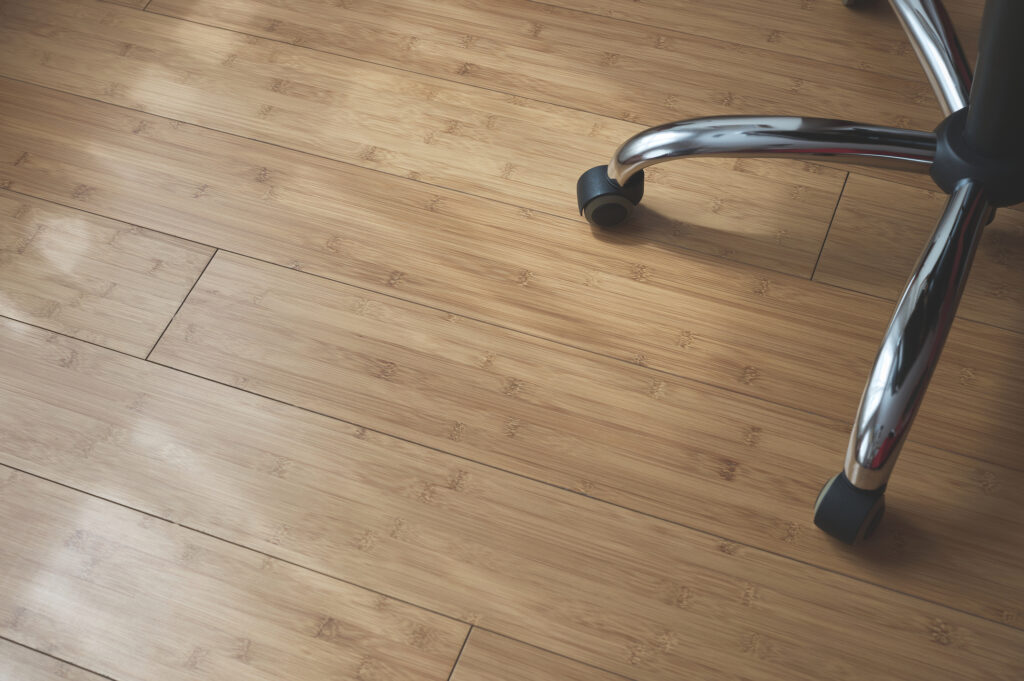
914	340
808	139
934	39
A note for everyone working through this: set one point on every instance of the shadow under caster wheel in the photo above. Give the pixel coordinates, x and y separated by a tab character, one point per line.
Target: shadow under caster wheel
603	202
848	513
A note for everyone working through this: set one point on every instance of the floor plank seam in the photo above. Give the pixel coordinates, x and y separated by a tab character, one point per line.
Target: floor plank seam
55	657
493	467
828	229
74	338
461	650
181	304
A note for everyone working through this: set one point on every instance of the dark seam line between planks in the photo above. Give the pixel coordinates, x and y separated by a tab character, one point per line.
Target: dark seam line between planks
829	228
181	304
54	657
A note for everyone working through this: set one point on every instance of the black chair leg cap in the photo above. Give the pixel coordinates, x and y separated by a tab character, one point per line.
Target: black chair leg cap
848	513
603	202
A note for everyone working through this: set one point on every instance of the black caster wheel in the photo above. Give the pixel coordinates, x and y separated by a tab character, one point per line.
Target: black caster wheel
847	513
603	202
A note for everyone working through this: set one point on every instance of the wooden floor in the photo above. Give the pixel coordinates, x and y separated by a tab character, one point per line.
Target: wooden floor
310	370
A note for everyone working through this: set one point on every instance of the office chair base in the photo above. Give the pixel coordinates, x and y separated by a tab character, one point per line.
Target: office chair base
974	156
846	512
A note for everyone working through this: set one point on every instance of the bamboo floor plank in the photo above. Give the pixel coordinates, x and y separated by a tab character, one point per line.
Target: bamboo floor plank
601	584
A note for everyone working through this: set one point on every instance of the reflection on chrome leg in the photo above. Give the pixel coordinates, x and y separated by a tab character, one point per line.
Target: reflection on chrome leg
934	39
794	137
912	345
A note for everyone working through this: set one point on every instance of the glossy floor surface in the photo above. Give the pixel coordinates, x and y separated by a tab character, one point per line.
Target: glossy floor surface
310	370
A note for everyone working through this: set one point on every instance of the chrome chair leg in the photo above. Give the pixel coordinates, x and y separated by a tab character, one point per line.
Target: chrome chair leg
912	344
851	502
931	32
607	194
795	137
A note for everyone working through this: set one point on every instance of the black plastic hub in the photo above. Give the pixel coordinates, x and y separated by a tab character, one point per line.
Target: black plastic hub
956	160
595	183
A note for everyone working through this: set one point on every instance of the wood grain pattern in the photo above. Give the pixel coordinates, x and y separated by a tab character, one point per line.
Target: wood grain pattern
520	151
85	276
699	456
756	332
489	657
867	37
107	588
880	229
601	584
680	65
623	70
18	663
